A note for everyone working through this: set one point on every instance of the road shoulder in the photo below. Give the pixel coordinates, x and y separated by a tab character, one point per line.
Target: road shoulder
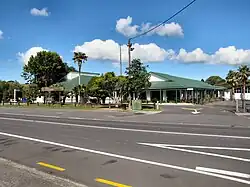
13	174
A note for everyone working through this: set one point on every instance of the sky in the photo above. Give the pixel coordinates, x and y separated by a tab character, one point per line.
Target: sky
209	38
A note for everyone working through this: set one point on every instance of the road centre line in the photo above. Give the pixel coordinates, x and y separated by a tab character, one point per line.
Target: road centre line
205	147
126	121
111	183
127	129
50	166
127	158
197	152
224	172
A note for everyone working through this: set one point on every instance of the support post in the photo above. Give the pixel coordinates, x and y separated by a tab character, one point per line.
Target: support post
120	60
175	96
160	97
148	95
193	96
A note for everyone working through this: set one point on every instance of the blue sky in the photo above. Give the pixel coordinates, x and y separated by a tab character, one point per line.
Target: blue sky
196	45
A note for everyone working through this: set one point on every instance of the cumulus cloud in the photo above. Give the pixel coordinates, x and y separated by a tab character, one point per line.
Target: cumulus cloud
110	50
125	27
41	12
227	55
1	34
24	57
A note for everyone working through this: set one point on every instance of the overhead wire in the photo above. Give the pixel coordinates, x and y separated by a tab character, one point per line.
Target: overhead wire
160	24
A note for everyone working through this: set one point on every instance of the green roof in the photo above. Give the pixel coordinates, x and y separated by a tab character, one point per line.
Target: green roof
173	82
70	84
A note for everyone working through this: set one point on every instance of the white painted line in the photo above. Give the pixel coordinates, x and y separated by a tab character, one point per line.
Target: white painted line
224	172
197	152
129	121
130	130
205	147
127	158
76	118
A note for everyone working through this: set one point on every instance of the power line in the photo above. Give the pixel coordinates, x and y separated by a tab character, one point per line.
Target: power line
155	27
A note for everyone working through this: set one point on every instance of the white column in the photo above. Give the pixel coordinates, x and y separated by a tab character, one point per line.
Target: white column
164	95
148	95
14	95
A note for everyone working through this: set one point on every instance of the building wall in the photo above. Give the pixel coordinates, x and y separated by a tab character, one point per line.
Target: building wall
154	78
72	75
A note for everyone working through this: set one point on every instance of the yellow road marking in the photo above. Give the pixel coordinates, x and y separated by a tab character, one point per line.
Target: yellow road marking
111	183
50	166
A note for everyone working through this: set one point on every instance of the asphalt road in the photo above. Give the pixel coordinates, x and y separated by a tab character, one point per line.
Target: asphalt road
93	152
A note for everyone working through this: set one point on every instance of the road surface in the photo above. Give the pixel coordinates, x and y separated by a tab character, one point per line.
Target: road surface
100	153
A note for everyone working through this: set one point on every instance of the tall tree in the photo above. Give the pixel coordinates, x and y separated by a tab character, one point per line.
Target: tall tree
215	80
103	86
232	80
138	77
80	58
45	69
96	89
243	74
30	91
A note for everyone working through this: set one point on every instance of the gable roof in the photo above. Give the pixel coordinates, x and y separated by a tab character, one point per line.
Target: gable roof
174	82
70	84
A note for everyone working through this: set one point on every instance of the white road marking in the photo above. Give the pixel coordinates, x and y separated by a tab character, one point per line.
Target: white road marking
120	120
195	112
127	158
205	147
197	152
130	130
224	172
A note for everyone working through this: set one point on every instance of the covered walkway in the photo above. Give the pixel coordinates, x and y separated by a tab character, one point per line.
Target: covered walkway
167	88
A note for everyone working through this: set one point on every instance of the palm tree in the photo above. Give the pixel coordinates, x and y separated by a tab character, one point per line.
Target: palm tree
232	80
79	58
243	74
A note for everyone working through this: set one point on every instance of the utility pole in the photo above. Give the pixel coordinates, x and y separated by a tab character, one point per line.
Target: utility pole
129	52
120	60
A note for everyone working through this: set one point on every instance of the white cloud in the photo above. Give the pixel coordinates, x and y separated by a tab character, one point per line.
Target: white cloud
194	56
231	55
125	27
41	12
228	55
109	50
1	34
24	57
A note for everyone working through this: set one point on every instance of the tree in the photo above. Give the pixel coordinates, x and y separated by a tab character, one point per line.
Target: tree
232	80
95	88
243	75
138	77
45	69
103	86
122	86
30	91
215	80
80	58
